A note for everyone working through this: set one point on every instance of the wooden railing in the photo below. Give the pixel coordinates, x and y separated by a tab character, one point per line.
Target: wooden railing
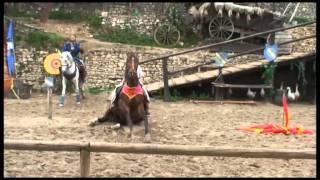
165	58
85	148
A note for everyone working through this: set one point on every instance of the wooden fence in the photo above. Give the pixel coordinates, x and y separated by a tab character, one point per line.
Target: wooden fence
86	147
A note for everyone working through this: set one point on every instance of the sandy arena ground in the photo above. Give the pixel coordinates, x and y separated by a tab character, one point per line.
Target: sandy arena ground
182	123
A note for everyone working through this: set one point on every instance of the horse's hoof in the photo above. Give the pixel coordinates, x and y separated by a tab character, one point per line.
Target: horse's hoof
92	124
61	105
78	103
130	136
117	126
147	138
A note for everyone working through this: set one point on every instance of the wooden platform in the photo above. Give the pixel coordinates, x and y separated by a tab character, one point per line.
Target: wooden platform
201	76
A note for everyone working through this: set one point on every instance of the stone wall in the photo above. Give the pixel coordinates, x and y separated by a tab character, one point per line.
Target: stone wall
106	66
140	17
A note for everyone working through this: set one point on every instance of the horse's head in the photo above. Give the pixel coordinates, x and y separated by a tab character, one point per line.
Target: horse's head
131	73
66	61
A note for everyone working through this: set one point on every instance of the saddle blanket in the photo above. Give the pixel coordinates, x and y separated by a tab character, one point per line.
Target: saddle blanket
131	92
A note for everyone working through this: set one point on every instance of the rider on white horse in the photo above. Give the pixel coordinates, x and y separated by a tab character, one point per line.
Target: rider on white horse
116	91
74	48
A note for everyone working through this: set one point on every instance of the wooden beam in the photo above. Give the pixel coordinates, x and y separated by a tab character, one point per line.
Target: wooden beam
258	86
161	149
223	102
44	145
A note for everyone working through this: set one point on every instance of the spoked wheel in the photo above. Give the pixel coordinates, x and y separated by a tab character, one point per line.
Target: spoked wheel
221	28
166	35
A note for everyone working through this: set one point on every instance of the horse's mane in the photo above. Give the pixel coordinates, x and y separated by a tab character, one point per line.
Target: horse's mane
131	56
68	54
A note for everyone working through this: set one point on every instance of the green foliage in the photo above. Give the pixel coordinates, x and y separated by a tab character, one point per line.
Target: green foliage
44	40
126	36
299	20
14	12
99	90
176	95
203	96
75	16
301	71
94	21
269	72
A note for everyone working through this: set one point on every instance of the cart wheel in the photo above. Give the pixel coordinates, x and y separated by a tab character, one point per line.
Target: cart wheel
221	28
166	35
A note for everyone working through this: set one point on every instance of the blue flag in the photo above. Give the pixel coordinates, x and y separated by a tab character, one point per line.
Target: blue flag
270	53
10	49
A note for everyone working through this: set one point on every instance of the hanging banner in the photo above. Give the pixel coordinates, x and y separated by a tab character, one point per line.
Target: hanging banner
270	52
10	49
221	59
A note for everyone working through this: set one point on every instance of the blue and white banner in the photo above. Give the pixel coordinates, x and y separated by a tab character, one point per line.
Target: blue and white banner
221	59
270	53
10	49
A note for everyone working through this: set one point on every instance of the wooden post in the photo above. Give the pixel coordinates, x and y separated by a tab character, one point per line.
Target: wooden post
165	80
219	91
49	103
84	162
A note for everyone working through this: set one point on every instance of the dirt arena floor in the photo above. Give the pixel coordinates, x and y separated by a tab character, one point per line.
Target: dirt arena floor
183	123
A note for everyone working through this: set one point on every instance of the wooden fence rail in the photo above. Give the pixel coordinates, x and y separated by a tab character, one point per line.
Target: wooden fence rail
85	148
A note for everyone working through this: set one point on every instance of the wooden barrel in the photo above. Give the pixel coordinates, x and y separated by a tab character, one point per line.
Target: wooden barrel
284	36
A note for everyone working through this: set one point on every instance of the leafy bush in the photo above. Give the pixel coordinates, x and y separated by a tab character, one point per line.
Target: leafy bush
94	21
14	12
75	16
126	36
44	40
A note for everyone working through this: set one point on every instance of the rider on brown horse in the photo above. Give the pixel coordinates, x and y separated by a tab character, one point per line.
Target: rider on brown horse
116	92
74	48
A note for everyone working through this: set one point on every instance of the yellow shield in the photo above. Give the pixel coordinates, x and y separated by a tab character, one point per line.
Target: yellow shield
52	64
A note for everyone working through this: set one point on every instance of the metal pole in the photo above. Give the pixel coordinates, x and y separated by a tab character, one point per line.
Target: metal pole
294	12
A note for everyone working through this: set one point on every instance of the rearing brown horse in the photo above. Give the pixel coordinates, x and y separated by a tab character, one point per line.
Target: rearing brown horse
129	109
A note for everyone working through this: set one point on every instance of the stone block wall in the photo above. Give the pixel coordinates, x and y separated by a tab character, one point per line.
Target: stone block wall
105	66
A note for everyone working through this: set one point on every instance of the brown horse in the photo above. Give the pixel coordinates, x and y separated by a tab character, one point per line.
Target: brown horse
129	109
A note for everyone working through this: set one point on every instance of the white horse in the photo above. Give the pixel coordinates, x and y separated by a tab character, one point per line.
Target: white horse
70	72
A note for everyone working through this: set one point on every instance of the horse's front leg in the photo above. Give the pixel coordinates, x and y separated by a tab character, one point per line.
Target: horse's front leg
76	83
81	90
129	121
64	82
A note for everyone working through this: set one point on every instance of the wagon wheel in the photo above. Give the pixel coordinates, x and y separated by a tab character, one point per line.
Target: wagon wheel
221	28
166	35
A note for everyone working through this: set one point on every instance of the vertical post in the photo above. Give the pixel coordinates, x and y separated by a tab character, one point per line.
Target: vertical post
165	80
49	103
84	162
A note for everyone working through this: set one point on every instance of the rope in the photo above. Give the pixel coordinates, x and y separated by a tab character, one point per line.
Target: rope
13	89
